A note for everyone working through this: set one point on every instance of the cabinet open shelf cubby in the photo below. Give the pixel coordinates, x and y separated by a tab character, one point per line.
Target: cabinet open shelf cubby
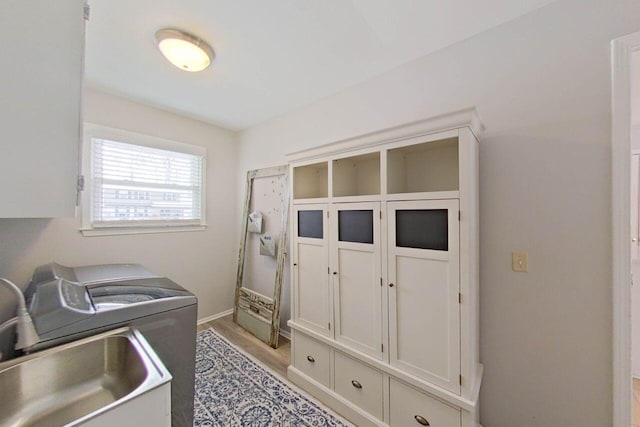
426	167
310	181
357	175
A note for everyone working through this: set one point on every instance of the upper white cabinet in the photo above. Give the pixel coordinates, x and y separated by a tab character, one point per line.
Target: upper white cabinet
42	62
385	274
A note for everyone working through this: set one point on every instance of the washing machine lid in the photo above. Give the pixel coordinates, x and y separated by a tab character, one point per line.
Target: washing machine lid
85	275
115	295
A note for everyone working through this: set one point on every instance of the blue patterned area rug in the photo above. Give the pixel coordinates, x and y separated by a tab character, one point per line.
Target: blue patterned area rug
234	390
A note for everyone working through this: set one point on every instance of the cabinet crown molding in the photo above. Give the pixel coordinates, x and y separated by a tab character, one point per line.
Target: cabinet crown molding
467	117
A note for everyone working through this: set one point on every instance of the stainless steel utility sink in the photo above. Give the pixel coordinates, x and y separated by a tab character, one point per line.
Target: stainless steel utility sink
72	383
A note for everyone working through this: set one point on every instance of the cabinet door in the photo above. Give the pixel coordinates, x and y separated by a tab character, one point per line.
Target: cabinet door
424	312
41	56
355	267
312	294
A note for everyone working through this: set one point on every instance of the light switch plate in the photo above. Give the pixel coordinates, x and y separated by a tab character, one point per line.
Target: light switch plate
519	262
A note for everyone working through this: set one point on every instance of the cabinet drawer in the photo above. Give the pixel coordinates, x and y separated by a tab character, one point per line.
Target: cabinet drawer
410	407
359	384
312	358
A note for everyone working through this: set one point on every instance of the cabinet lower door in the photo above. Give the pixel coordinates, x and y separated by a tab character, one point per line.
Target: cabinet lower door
424	282
312	307
355	264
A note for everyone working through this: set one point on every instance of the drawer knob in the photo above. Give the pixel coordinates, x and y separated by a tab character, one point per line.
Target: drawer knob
391	285
311	359
421	420
356	384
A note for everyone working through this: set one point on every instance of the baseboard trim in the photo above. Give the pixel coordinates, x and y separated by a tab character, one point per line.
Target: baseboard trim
215	316
285	334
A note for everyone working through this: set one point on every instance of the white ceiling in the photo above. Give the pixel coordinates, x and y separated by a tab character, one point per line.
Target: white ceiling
272	55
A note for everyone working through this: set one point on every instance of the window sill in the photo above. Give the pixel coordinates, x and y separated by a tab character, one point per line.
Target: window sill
120	231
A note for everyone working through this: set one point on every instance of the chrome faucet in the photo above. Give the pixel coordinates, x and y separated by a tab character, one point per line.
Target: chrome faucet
27	335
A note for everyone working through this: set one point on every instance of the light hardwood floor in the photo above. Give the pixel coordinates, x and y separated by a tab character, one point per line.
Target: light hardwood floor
276	359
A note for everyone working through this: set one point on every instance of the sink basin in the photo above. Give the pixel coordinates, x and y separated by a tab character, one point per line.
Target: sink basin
72	383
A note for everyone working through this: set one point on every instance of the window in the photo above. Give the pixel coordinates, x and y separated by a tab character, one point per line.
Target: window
137	182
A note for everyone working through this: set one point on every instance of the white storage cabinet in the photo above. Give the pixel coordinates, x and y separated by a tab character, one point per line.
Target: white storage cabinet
385	274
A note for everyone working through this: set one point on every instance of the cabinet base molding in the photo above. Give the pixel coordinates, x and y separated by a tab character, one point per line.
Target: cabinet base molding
336	402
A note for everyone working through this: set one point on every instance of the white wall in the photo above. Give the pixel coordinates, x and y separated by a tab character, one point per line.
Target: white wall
203	262
635	319
542	85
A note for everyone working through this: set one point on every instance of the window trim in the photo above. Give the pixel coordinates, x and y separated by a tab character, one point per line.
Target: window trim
92	130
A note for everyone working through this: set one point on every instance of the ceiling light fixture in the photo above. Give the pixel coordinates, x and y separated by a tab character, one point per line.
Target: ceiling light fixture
187	52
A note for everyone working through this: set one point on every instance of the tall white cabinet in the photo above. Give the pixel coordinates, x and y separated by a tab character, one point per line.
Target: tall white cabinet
385	274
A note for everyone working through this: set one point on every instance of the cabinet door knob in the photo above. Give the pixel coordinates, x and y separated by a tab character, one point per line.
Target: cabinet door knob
311	359
335	272
391	285
421	420
295	264
356	384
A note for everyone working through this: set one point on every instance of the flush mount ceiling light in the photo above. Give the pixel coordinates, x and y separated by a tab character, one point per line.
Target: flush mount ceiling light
183	50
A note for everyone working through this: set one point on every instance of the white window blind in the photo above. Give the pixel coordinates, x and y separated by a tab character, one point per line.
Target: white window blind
140	185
